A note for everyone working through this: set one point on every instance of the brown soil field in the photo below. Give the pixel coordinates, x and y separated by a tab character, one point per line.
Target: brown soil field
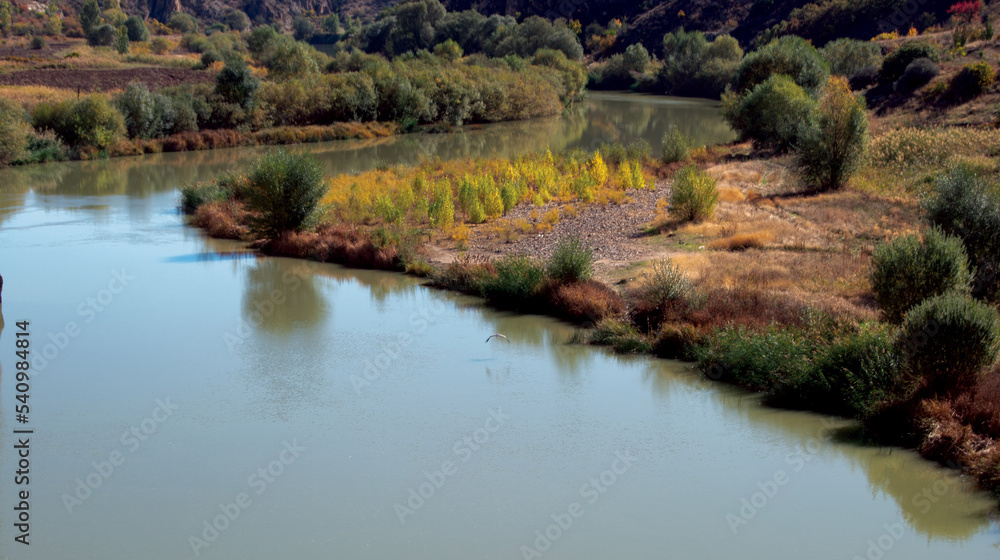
88	80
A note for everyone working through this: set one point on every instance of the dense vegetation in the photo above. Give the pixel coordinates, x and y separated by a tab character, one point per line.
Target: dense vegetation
415	65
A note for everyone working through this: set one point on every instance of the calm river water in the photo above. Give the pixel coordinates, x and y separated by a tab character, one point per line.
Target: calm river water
189	400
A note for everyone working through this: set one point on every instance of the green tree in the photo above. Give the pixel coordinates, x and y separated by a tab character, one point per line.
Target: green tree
236	84
303	28
908	270
90	16
791	56
331	24
683	54
284	189
182	23
137	30
772	114
949	340
237	20
5	8
828	153
448	50
103	36
14	132
121	42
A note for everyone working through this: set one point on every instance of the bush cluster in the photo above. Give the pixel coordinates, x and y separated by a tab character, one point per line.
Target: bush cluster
967	206
909	269
90	123
949	340
789	56
973	80
848	56
693	66
895	63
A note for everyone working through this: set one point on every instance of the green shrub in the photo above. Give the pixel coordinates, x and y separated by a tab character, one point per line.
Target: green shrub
160	45
137	30
973	80
284	189
146	114
571	261
829	152
789	56
852	376
448	50
197	194
516	281
14	132
236	84
665	282
968	206
621	336
38	42
693	195
121	40
917	74
90	123
908	270
676	145
949	340
182	23
896	62
238	20
759	361
772	114
617	71
103	36
847	56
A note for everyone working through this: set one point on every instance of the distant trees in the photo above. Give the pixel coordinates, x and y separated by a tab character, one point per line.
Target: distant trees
421	24
693	66
237	20
791	56
90	16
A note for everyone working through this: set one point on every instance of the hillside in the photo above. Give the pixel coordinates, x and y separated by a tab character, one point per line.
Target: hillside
644	21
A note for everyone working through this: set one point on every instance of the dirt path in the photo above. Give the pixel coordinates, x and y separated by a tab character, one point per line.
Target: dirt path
88	80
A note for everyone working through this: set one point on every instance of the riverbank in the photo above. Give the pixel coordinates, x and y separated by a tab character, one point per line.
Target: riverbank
775	274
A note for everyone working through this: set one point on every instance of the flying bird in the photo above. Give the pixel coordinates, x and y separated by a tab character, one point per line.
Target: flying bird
500	336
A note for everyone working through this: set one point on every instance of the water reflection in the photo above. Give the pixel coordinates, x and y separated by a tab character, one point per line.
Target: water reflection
281	299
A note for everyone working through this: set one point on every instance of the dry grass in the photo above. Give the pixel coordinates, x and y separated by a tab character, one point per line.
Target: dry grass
586	302
337	244
221	219
731	194
30	96
742	241
839	274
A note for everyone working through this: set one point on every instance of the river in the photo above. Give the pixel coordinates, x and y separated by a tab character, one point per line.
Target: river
190	400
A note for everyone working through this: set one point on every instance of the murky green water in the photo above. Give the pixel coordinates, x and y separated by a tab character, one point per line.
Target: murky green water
192	402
